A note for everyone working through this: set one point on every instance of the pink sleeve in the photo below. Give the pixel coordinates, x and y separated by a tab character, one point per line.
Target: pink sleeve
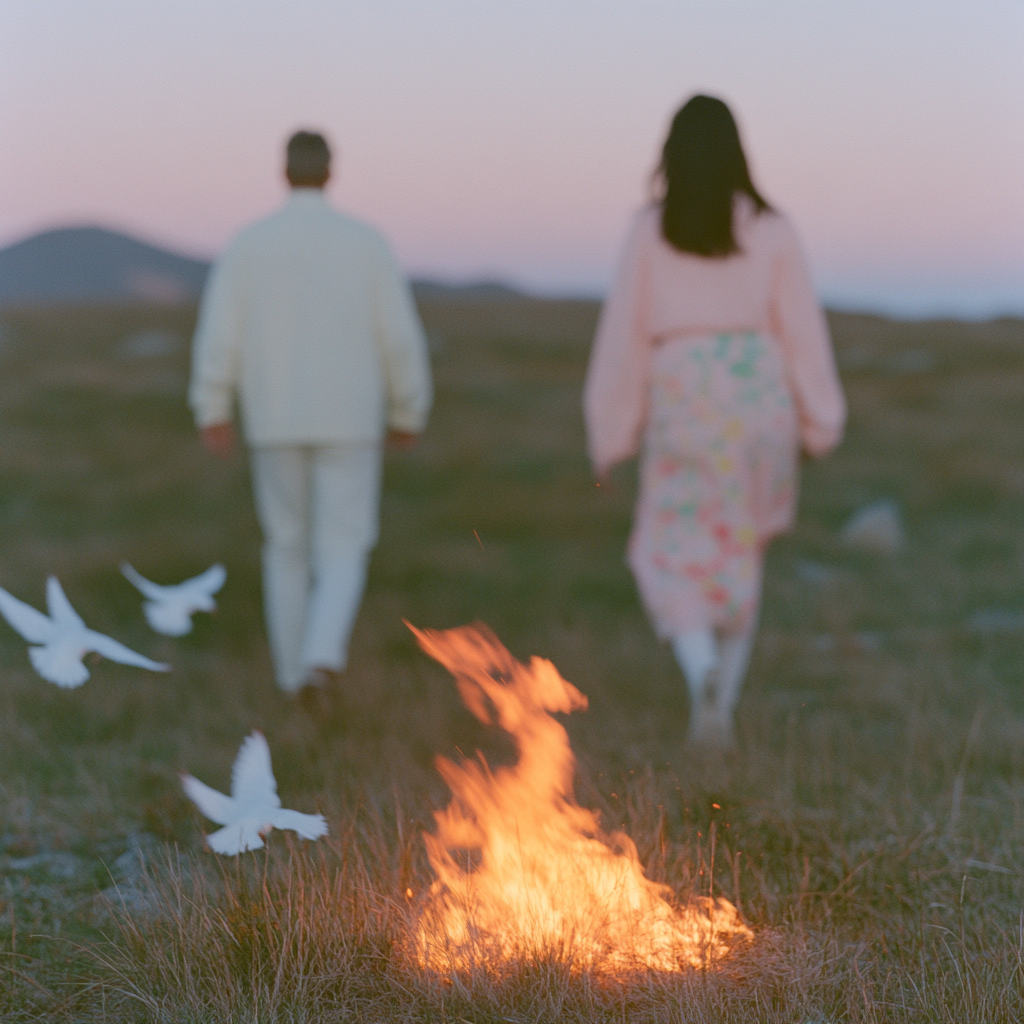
615	392
799	324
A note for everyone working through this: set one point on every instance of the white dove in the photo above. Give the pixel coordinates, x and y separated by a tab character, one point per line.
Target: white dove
169	609
254	807
64	639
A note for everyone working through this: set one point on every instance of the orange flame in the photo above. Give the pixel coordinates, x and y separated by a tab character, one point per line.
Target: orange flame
522	869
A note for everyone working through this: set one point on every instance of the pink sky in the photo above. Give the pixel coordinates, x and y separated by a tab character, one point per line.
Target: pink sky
512	140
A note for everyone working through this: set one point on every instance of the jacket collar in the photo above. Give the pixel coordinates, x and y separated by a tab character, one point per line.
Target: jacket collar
307	197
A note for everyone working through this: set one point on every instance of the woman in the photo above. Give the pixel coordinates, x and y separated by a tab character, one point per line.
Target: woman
713	358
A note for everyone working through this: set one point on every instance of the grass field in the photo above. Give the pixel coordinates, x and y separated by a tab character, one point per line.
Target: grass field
870	827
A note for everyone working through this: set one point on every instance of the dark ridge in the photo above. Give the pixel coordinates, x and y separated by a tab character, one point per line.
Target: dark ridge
93	266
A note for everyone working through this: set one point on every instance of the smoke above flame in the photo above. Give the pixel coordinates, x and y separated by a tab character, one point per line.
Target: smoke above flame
522	870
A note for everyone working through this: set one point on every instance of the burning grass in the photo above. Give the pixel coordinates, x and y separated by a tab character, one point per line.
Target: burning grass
869	830
521	868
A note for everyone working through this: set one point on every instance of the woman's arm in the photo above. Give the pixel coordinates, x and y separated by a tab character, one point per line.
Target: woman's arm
799	324
615	391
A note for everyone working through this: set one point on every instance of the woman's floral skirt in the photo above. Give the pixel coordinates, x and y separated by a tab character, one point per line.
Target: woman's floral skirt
718	479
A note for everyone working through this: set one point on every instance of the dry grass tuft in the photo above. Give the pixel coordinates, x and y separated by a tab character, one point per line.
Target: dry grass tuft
293	934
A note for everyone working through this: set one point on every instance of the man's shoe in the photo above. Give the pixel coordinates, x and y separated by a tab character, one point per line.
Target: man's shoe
319	694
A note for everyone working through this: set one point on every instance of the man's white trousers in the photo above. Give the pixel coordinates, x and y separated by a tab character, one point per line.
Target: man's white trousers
318	507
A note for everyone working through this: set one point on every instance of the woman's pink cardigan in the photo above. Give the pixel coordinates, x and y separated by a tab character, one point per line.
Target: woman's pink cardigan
661	293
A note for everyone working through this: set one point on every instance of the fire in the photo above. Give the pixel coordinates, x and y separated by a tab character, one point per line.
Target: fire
521	868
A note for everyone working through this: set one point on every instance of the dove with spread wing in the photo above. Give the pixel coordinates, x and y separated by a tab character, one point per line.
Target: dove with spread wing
62	639
254	807
169	609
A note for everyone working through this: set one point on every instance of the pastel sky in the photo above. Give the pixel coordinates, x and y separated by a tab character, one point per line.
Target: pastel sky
512	139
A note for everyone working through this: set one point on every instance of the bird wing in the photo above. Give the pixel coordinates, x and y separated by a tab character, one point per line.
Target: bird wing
33	625
208	582
59	607
213	804
309	826
147	587
252	777
116	651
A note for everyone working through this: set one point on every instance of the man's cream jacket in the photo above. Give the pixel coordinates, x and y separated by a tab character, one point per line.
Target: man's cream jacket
307	320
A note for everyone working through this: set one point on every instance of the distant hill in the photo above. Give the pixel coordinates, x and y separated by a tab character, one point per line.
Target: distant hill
87	266
94	266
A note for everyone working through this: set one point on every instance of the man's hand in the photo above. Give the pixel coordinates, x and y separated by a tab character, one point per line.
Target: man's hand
401	439
219	439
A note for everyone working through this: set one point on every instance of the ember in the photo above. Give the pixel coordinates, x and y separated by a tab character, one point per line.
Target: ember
522	869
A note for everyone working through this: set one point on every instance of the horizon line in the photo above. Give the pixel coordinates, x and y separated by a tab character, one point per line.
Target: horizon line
917	303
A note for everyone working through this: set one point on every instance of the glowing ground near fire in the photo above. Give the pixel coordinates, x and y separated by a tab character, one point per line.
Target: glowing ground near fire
522	869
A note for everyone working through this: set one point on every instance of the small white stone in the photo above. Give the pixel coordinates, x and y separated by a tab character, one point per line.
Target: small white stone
877	527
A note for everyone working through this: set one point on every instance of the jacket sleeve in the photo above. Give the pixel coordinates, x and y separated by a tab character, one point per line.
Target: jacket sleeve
216	345
799	324
402	344
617	380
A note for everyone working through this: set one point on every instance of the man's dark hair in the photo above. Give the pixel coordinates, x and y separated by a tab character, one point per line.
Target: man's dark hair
309	160
702	168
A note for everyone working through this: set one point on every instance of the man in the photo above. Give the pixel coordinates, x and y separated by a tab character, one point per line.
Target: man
307	321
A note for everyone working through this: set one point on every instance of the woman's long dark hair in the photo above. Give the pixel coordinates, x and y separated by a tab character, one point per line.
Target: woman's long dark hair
702	168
